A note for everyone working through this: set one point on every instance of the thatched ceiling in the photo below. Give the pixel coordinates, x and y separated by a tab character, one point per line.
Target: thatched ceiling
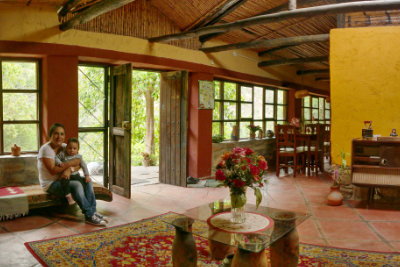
152	18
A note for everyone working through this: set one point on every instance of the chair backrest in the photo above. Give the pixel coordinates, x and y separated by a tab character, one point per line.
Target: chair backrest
327	132
319	131
285	136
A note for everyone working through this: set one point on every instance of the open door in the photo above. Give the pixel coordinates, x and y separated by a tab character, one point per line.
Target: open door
120	130
173	127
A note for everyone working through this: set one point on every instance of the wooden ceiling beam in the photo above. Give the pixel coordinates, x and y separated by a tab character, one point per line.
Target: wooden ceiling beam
92	12
63	11
218	14
269	51
312	72
282	7
323	79
264	19
296	40
291	61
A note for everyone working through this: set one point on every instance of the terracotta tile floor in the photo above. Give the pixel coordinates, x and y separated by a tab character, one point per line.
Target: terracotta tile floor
349	226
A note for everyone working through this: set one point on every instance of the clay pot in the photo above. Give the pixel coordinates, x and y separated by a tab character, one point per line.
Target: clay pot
15	150
335	198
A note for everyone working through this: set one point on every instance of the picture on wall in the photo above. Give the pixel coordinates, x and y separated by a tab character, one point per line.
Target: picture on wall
206	95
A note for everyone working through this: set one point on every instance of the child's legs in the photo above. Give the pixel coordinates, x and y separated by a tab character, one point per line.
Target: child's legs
65	186
78	177
56	188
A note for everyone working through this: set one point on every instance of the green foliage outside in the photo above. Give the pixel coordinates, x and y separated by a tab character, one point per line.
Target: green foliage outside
20	106
91	111
142	81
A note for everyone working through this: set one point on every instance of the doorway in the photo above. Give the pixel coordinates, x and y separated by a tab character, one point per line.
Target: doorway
145	140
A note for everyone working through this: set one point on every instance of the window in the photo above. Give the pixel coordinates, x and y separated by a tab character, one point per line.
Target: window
316	110
93	105
19	115
242	104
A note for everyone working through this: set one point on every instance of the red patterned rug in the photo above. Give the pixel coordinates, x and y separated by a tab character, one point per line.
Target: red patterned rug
149	243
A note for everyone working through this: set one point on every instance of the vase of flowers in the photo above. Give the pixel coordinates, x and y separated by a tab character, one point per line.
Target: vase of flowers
253	129
239	169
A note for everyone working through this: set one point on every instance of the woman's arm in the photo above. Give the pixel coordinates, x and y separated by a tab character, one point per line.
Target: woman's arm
53	169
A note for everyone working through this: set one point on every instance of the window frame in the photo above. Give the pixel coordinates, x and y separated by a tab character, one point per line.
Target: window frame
239	118
311	108
106	113
37	91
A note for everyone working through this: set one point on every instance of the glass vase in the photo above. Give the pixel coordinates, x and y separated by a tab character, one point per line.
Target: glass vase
238	201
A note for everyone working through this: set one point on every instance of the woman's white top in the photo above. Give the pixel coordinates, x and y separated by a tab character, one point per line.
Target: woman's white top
45	177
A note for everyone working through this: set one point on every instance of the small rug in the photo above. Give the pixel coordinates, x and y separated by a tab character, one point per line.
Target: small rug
149	243
13	203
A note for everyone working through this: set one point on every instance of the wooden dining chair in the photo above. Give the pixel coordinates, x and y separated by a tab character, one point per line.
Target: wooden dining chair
315	150
287	152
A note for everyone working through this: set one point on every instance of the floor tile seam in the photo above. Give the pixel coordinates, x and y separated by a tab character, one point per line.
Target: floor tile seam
35	229
337	219
13	235
315	220
371	227
70	227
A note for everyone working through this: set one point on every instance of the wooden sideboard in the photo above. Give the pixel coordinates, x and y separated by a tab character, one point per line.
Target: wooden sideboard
376	163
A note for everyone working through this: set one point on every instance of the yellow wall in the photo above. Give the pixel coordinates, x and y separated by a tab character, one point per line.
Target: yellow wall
365	83
40	24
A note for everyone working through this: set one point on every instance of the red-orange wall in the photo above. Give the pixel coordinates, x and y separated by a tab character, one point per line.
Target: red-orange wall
60	94
200	130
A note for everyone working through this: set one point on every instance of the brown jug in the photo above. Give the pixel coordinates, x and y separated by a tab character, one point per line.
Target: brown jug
15	150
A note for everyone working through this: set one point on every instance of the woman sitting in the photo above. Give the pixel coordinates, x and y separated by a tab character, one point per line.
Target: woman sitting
50	176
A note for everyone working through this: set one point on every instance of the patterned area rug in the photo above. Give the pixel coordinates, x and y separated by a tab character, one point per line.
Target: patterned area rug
149	242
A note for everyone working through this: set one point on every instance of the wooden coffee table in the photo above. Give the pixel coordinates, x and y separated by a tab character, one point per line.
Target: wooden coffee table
282	237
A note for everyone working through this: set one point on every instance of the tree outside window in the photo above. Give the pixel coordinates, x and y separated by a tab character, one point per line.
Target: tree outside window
19	123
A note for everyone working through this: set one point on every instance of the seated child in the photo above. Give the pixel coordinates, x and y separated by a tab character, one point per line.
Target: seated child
69	153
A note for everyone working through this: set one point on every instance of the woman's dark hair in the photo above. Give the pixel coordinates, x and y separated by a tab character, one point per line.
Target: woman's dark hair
73	140
55	126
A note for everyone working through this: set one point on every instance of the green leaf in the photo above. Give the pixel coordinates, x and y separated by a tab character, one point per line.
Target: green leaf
258	195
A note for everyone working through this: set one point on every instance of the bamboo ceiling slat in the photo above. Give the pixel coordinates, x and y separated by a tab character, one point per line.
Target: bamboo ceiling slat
184	12
378	18
138	19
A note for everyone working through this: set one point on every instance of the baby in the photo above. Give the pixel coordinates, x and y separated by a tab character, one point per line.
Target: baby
69	153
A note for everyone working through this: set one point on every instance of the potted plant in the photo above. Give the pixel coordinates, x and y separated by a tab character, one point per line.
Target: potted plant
253	129
339	174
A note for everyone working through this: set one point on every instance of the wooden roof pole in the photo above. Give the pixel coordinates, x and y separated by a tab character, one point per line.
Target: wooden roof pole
296	40
92	12
67	7
264	19
289	61
217	15
266	52
311	72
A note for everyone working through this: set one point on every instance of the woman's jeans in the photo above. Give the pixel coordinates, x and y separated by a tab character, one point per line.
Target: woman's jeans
83	195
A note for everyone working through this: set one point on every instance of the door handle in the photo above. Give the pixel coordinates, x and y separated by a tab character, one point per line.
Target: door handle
126	125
